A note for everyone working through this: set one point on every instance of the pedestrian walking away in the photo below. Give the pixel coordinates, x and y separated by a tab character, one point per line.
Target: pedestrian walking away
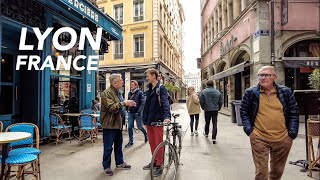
156	109
270	117
111	122
211	103
135	112
193	106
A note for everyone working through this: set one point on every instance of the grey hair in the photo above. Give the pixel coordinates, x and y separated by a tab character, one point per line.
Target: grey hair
113	77
268	67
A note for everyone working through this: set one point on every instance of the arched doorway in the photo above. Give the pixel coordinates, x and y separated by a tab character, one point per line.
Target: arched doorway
223	84
296	76
241	79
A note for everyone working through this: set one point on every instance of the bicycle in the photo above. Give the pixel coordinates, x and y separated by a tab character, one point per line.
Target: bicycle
172	150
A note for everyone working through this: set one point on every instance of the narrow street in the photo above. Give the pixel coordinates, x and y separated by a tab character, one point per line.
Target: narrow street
229	159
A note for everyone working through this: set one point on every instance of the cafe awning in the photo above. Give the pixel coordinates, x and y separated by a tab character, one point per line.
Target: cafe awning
297	62
91	12
233	70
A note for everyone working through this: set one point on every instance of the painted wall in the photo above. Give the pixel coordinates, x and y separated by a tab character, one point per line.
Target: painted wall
301	15
130	28
242	31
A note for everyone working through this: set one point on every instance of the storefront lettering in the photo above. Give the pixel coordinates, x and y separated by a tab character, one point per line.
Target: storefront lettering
224	48
84	9
85	34
312	63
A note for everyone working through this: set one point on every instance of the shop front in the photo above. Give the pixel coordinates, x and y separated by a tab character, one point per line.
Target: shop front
299	60
30	95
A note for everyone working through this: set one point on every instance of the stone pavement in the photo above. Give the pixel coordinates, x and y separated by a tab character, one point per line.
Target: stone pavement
229	159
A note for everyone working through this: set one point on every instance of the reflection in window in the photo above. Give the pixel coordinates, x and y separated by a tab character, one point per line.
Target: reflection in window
64	39
64	94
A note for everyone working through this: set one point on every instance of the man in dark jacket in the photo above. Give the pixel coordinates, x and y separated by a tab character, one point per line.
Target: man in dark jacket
111	106
211	102
135	112
270	117
156	109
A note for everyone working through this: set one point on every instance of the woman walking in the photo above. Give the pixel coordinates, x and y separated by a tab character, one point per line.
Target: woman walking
193	106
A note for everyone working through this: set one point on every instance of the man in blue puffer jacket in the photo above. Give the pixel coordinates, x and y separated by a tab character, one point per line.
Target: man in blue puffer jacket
270	117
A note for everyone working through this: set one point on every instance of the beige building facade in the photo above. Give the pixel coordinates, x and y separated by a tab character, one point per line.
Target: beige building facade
152	38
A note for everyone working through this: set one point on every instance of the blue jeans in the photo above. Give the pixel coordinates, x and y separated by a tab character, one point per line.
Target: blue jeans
110	137
138	118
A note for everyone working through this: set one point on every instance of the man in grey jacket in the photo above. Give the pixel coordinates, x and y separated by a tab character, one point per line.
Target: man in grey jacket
211	102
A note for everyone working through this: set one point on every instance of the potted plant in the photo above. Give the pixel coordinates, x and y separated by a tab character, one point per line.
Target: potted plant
314	79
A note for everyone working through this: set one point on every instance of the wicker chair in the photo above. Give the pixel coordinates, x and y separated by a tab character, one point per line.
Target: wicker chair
87	125
24	152
58	127
313	126
87	111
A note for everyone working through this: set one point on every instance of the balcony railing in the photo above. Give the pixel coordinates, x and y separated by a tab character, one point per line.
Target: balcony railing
137	18
138	54
118	56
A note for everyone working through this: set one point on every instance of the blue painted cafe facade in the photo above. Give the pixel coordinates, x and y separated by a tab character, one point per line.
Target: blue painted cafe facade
30	96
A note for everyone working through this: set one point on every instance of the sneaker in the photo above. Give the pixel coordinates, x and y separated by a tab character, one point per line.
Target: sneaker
196	133
129	145
192	134
147	167
157	172
108	172
123	166
205	135
214	141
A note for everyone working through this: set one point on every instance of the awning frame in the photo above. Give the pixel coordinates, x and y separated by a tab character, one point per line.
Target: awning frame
231	71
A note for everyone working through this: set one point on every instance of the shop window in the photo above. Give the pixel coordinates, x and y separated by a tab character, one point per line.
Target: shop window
64	94
6	68
6	99
65	38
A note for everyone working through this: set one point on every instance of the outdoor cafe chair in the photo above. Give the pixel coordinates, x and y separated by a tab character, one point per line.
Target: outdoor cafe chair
87	125
58	127
313	129
24	152
98	123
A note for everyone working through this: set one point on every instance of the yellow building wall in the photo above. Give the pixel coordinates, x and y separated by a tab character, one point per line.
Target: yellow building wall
130	28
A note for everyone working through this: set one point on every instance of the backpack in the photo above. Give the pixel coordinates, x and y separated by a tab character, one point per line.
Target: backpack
170	99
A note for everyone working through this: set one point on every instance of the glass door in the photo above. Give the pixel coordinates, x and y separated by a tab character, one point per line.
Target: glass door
9	103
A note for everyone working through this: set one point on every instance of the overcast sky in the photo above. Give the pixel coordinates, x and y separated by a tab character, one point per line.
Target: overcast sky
192	35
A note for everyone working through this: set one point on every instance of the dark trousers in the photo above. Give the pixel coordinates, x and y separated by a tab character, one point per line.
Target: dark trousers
208	116
192	121
112	137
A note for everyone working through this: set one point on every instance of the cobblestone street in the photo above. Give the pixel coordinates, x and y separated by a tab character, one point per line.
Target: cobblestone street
229	159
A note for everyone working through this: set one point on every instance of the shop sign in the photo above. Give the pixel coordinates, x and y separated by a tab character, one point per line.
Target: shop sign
225	47
313	63
84	9
284	12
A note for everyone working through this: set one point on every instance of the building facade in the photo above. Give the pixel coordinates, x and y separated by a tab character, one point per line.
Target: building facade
238	39
152	38
193	79
31	95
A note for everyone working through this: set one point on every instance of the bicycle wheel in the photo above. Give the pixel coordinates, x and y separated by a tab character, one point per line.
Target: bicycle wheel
170	162
177	144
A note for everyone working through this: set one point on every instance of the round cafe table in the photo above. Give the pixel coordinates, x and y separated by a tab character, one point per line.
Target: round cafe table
5	139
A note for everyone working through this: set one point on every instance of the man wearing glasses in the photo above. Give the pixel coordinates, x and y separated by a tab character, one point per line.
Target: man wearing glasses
270	117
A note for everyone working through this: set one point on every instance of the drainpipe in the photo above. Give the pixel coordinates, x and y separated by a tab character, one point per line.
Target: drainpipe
272	32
